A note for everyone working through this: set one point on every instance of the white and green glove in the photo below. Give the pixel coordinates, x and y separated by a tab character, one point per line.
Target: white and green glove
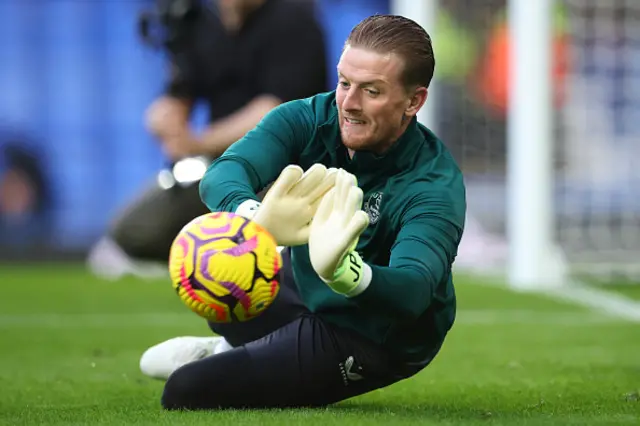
290	204
335	230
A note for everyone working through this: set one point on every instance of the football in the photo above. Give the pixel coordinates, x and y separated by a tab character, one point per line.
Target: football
224	267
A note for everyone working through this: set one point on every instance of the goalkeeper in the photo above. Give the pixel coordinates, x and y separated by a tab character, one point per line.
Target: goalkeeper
368	296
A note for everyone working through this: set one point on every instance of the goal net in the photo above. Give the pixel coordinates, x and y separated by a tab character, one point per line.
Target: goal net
596	117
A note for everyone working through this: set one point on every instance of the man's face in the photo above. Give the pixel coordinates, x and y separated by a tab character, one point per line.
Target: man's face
17	195
371	99
241	4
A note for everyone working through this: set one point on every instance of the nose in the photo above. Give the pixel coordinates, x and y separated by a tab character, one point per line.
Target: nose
351	102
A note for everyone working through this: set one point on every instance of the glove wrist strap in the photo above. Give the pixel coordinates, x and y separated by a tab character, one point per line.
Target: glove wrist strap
248	208
352	277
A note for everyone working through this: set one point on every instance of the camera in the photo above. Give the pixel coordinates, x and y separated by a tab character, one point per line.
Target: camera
168	25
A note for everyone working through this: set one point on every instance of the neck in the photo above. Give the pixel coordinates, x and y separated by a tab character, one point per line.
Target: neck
231	18
234	15
384	147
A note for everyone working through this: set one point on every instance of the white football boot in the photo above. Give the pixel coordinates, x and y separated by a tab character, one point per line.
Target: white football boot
160	360
108	261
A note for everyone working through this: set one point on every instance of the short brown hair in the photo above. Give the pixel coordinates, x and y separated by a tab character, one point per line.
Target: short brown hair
402	36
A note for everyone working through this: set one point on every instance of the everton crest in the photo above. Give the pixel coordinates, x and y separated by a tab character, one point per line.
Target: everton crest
372	207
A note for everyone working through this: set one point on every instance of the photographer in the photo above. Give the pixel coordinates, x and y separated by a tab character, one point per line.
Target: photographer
241	58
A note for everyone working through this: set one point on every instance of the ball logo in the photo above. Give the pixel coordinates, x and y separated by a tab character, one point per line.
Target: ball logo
372	207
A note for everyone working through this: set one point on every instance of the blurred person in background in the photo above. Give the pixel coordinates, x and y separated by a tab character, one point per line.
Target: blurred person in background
23	195
491	79
239	57
467	126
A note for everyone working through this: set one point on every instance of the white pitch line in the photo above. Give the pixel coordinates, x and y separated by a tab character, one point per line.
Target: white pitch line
580	294
172	319
604	301
102	320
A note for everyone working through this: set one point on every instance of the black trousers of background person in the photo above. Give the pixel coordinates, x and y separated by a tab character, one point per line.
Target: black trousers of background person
287	357
146	228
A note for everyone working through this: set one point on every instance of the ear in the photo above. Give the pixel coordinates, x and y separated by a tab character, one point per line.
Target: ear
416	101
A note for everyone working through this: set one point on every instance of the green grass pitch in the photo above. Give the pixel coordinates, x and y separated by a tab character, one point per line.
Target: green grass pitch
70	345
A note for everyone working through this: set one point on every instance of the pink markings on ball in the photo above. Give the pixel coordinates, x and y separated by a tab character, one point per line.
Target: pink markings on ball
238	293
206	230
243	248
204	264
184	277
184	244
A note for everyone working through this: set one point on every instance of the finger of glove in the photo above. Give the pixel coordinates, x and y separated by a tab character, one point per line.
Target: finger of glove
309	180
344	181
313	207
325	208
288	177
327	185
302	236
321	189
353	203
358	223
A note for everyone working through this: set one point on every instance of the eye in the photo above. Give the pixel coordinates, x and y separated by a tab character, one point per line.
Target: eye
343	84
372	92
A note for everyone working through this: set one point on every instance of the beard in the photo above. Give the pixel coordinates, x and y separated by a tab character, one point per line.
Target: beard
367	140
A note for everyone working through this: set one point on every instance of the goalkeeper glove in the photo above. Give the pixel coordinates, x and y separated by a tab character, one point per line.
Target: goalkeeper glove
288	207
335	230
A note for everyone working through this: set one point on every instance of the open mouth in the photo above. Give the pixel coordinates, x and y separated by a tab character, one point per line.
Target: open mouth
353	121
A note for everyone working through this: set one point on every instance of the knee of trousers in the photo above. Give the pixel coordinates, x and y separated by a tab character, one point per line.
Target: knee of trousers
147	227
143	242
180	391
217	382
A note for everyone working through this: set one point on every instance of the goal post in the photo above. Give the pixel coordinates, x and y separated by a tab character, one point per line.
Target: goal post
533	259
529	208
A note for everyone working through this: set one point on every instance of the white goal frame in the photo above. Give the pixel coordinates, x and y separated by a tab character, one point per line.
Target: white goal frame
534	259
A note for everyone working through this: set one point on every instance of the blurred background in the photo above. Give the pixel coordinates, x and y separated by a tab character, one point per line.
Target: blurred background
94	186
76	79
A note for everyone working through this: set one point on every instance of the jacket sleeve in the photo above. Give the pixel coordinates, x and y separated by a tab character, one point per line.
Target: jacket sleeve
421	258
257	159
